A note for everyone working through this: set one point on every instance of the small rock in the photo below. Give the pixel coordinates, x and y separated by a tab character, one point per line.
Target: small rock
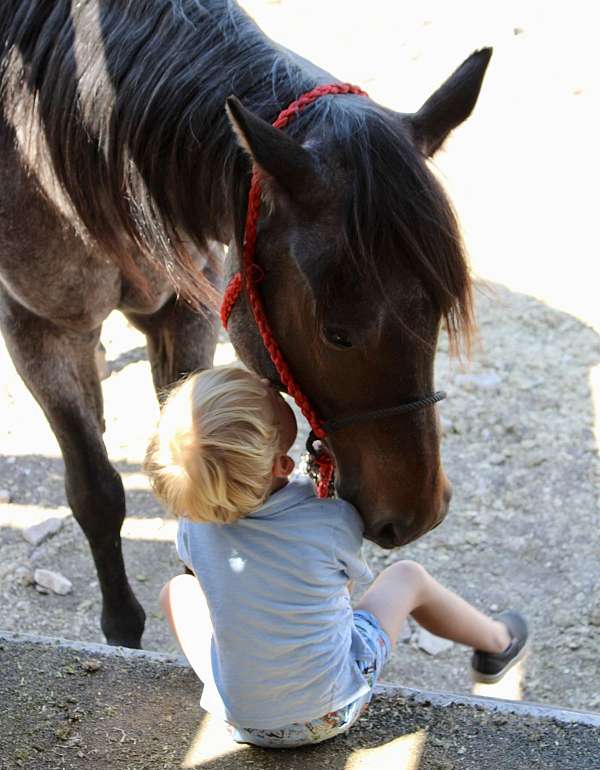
431	644
536	458
39	532
91	665
39	553
42	590
474	538
511	426
4	496
53	581
23	575
594	617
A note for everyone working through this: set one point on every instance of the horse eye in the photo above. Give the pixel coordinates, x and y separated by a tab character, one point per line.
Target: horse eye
337	338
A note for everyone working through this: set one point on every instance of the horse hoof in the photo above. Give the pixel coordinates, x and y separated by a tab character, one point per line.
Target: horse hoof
126	628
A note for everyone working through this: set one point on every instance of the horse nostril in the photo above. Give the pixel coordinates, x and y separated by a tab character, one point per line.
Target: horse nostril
386	536
389	535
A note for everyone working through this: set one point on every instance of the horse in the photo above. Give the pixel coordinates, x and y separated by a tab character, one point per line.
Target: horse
128	134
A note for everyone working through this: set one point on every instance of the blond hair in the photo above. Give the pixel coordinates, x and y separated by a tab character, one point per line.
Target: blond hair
212	455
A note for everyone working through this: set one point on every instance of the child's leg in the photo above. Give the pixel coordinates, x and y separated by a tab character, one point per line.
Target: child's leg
406	588
184	605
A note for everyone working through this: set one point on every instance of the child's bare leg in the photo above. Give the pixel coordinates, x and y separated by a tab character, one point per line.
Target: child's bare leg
406	588
184	604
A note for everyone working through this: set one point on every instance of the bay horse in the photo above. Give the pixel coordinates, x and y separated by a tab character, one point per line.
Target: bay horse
122	178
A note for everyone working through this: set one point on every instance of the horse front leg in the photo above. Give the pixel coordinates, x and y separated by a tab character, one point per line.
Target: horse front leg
59	368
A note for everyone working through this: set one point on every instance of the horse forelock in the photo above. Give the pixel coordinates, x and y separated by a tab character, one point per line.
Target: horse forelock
398	217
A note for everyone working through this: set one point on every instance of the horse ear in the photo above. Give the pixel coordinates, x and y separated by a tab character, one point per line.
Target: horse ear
283	160
451	104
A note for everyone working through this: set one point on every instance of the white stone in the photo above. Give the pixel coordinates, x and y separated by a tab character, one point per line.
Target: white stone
432	644
4	496
53	581
41	552
42	531
23	575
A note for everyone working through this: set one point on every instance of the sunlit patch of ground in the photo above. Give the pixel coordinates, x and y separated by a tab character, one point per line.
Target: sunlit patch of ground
510	687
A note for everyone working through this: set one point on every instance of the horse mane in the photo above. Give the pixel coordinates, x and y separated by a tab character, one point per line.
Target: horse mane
123	100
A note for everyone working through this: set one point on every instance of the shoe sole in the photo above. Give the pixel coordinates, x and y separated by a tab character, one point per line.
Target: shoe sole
480	678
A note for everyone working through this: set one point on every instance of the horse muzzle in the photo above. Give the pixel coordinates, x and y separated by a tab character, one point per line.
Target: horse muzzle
394	532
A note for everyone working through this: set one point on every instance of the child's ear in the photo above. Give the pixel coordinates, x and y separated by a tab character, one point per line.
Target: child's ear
283	466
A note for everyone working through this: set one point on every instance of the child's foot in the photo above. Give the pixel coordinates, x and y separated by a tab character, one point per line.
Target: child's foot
489	667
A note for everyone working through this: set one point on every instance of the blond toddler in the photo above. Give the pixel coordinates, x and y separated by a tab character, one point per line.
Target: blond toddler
265	619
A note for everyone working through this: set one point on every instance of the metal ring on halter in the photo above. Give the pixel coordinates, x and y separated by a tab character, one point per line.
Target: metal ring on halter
406	407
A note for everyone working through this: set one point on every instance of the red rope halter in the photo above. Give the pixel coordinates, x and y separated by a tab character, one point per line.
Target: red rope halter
247	279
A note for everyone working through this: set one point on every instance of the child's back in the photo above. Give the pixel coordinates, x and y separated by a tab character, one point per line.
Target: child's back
284	642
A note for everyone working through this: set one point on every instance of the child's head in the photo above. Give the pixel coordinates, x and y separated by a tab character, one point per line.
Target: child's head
221	445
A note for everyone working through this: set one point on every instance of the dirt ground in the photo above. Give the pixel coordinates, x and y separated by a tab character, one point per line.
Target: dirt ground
521	423
100	712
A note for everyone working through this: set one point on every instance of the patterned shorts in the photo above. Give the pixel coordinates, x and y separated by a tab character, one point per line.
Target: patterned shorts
336	722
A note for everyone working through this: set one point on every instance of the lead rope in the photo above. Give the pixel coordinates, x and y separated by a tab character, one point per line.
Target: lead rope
249	278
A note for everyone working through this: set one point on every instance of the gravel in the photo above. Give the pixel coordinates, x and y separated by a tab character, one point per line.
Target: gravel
519	448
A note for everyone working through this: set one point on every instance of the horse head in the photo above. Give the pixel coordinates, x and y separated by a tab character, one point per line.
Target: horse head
363	262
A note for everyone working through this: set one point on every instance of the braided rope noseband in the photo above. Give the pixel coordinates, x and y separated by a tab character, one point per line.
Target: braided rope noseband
248	280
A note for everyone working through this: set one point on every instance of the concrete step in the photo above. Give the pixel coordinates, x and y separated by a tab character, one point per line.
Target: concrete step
68	706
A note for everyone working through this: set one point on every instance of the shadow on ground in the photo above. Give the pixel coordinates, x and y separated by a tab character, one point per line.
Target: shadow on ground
519	447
